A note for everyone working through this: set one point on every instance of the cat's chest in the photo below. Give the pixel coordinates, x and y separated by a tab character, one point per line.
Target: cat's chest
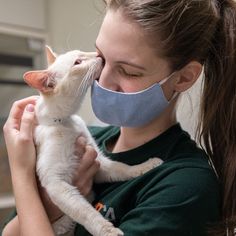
57	142
55	134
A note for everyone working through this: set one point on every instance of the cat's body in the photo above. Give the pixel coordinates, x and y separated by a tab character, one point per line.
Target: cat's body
63	86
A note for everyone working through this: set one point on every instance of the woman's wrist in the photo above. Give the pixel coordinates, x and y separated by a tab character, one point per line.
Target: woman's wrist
53	212
25	175
24	179
30	209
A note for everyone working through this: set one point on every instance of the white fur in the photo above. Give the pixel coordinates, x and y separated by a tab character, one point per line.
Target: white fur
55	137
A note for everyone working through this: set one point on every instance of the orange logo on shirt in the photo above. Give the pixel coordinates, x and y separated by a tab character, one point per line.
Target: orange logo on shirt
109	212
99	206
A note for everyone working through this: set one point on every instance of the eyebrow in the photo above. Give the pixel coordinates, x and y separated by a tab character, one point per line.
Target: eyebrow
131	64
123	62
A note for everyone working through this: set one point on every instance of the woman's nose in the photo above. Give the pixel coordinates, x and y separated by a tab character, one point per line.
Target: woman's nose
108	79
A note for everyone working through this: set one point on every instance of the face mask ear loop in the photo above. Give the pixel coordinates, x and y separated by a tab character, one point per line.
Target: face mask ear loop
168	77
164	80
174	96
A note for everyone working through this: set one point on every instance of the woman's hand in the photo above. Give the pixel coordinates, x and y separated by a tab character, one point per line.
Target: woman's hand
88	166
18	133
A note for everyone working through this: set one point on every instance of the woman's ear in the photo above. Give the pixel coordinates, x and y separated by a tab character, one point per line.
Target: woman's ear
187	76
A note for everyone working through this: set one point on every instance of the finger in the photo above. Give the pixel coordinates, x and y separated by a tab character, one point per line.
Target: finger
13	121
14	118
84	177
91	172
81	141
84	183
88	158
80	146
85	189
19	106
85	163
27	122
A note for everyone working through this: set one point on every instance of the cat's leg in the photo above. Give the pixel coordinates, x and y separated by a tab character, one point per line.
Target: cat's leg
63	225
111	171
73	204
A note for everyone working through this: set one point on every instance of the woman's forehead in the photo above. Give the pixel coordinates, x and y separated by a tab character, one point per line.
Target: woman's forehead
120	37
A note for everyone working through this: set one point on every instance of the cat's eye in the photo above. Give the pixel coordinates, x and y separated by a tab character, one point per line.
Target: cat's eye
77	62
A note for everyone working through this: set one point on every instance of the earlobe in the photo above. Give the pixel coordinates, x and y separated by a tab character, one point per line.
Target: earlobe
188	75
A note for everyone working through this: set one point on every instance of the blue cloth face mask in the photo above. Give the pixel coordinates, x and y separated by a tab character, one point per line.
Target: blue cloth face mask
128	109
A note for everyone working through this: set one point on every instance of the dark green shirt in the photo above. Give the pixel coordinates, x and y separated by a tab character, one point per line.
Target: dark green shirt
178	198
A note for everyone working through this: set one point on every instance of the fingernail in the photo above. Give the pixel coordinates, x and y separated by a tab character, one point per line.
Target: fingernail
30	108
81	141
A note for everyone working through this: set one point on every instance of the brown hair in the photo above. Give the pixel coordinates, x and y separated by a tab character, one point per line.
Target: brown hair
205	31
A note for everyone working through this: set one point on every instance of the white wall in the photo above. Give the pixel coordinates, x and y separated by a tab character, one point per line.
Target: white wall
188	108
23	17
74	24
26	13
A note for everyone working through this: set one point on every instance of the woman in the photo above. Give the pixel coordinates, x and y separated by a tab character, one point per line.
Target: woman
153	51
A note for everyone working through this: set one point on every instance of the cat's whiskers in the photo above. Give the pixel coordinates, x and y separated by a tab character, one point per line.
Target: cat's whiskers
86	82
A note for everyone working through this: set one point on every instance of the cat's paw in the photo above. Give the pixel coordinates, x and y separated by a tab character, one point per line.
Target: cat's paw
148	165
113	232
108	229
116	232
154	162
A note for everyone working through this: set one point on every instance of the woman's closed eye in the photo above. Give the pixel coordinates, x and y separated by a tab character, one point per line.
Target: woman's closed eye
129	73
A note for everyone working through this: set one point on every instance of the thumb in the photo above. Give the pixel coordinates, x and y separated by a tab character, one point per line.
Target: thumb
27	122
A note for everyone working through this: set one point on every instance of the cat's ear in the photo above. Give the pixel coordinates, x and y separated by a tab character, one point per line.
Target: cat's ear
41	80
51	56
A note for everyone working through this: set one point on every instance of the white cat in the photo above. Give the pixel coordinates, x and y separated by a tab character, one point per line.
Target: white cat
62	88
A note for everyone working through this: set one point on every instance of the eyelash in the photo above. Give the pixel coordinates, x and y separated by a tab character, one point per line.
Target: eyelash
122	71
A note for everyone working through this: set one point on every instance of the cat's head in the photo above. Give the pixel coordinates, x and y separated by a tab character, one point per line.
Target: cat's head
66	80
66	73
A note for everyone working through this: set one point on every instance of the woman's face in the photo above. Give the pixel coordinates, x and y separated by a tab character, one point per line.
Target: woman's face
130	64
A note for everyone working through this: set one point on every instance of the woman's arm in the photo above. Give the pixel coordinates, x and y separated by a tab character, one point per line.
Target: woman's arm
18	133
32	216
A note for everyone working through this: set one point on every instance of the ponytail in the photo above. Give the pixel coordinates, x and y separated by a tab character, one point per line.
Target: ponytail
218	109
